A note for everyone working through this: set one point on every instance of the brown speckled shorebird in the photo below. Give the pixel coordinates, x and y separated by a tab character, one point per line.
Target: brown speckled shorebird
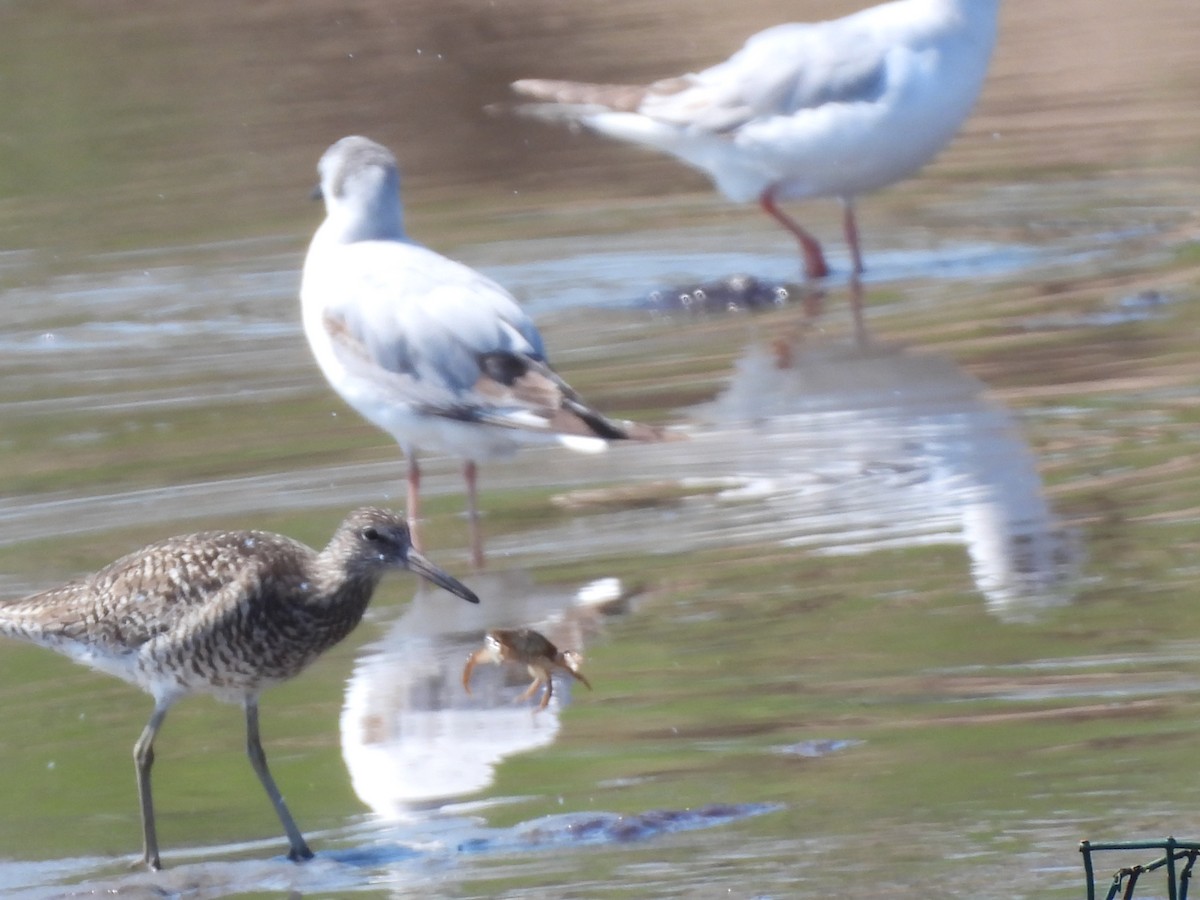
533	650
226	613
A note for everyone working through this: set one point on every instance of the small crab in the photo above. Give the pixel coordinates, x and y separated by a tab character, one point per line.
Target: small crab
524	645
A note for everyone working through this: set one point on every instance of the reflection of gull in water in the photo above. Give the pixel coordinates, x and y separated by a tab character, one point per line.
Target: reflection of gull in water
960	455
919	424
412	735
847	449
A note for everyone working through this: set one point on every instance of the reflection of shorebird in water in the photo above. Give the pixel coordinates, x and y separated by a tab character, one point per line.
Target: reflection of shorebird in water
531	649
226	613
829	109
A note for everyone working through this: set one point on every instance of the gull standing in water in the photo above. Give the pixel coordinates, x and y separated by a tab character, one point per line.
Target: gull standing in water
429	350
828	109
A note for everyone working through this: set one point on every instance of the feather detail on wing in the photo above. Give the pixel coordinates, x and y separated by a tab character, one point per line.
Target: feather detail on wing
615	97
512	390
778	72
139	596
509	380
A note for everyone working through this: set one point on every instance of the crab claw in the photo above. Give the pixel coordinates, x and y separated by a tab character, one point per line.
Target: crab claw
483	654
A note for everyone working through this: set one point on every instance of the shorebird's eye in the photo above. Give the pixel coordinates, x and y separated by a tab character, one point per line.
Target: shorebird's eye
370	533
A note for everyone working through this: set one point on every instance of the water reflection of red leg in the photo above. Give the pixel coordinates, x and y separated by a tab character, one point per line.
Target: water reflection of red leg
856	311
470	473
813	302
850	229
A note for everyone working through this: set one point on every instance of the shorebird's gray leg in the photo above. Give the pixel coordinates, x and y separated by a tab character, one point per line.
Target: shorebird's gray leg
258	759
143	759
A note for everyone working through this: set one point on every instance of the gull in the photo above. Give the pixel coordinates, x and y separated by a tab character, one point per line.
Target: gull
226	613
426	348
829	109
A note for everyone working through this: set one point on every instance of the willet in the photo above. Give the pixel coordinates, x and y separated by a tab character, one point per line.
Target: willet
828	109
226	613
431	351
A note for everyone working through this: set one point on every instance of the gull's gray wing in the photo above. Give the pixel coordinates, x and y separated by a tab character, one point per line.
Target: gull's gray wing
447	341
410	312
777	72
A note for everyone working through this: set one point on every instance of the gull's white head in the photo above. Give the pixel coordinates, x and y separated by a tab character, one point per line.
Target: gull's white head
360	185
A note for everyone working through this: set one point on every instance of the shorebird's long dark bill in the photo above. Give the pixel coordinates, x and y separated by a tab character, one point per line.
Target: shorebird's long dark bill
419	565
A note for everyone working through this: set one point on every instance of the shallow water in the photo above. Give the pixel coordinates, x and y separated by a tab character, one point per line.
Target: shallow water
907	614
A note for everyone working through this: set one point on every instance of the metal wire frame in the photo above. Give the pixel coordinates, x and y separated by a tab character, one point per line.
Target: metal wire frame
1125	880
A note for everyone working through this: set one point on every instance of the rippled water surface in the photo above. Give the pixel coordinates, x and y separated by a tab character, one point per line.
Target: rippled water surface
909	613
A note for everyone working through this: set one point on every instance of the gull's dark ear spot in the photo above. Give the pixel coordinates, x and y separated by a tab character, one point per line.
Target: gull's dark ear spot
316	193
503	368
